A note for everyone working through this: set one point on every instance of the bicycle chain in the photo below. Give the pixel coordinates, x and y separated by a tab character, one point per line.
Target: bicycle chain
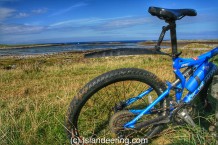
165	108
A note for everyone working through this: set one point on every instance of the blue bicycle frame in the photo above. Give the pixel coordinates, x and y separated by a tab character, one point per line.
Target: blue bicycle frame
179	85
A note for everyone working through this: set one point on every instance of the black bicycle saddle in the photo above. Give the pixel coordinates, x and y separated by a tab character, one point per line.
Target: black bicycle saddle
171	14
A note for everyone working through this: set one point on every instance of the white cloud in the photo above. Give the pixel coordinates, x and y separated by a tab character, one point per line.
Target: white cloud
39	11
30	13
12	13
6	13
102	24
86	21
65	10
76	22
20	29
22	15
123	23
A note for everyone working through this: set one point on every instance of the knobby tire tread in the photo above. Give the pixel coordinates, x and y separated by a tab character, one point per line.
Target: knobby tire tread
103	80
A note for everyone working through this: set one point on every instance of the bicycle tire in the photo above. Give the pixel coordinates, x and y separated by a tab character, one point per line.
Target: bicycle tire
100	83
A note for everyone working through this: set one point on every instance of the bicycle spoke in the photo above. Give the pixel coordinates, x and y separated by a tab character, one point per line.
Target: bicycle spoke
103	108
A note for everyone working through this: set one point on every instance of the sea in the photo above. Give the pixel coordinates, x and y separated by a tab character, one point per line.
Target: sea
72	47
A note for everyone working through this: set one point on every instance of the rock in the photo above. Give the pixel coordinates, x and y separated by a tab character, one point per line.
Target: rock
9	67
214	94
214	87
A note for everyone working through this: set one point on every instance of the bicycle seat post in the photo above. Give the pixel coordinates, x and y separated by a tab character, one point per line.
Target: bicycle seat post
172	28
170	16
172	25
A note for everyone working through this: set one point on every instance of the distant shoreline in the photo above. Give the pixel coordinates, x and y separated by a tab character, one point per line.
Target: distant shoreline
141	42
12	46
182	43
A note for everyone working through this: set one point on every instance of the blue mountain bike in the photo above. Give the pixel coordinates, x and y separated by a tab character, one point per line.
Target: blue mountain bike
133	103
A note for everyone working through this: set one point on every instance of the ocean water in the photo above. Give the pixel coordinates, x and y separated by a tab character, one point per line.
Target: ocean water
70	47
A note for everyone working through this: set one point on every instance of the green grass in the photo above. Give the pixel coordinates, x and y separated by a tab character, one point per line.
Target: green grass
36	93
13	46
198	46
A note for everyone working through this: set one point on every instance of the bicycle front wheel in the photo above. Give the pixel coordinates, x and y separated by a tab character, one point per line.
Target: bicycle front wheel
100	102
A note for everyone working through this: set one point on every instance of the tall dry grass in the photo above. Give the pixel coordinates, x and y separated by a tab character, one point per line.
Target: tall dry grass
35	94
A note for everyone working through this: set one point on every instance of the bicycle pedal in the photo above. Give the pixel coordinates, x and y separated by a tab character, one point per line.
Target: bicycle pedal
186	117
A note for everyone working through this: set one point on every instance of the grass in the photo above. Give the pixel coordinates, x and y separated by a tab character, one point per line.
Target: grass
36	93
198	46
13	46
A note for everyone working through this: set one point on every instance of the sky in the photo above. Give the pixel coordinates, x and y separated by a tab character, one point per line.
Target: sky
61	21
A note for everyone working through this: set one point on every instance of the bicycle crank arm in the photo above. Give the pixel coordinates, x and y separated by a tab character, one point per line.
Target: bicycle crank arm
156	121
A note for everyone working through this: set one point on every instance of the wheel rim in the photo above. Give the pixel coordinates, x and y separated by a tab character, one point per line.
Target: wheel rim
95	115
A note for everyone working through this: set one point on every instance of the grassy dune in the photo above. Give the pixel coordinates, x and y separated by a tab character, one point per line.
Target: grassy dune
36	92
